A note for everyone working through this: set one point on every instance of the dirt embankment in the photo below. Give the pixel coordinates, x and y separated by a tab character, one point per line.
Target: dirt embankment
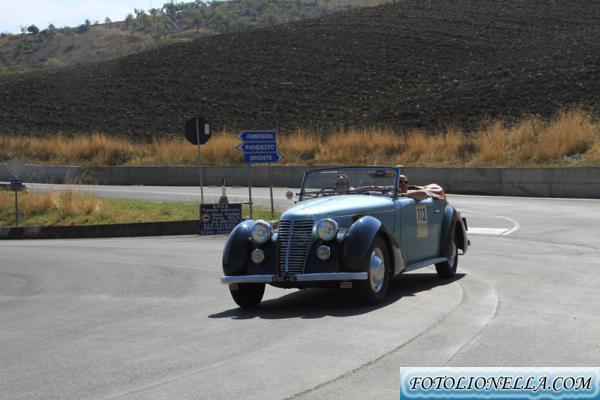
414	63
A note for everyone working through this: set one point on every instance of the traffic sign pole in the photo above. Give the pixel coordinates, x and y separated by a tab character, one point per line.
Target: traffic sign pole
16	207
200	163
271	190
15	168
193	134
250	188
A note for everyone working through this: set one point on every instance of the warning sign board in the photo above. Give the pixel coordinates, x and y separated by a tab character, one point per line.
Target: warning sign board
219	219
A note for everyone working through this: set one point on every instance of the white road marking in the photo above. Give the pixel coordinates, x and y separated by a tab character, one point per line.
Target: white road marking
494	231
516	226
487	231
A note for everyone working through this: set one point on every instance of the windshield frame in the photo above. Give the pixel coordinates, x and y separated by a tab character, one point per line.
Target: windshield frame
395	189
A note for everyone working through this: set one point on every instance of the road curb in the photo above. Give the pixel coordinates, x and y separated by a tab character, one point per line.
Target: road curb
101	231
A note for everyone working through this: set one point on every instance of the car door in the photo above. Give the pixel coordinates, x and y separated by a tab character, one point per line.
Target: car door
406	229
418	228
435	217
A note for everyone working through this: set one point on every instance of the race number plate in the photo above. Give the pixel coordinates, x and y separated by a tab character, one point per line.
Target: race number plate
422	223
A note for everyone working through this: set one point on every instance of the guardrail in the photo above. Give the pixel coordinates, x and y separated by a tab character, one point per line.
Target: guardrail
530	182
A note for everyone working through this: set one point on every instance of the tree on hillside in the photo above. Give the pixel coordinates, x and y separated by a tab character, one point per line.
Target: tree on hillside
108	23
129	22
171	11
33	29
47	33
83	28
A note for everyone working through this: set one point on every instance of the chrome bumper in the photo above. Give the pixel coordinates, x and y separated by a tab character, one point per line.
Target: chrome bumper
333	276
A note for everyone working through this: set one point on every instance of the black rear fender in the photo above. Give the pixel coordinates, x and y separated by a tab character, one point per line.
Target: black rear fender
453	231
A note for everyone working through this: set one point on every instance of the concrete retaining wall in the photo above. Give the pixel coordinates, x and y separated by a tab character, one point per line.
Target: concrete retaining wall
189	176
528	182
531	182
45	174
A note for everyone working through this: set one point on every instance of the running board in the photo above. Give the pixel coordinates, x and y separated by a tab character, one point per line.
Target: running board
424	263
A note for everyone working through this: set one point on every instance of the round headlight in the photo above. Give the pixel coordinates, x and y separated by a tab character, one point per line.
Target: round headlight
257	256
261	232
323	252
327	229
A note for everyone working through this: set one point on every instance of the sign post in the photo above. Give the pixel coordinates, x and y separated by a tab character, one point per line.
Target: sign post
259	147
15	168
16	204
271	191
250	189
197	131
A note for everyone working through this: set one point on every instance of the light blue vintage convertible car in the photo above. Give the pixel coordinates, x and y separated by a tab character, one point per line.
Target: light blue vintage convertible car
352	229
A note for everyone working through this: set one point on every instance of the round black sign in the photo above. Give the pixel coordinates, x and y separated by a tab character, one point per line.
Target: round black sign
197	130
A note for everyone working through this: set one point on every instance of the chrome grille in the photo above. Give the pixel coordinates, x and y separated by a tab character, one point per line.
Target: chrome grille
294	241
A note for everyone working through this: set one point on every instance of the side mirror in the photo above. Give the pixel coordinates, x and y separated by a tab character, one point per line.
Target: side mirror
289	195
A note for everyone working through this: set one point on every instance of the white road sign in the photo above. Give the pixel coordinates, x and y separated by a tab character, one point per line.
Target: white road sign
15	167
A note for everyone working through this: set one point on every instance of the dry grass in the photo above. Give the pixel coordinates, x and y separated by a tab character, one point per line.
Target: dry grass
374	146
567	139
300	147
50	206
69	207
572	138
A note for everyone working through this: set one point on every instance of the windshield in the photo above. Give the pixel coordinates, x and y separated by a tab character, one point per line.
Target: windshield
379	181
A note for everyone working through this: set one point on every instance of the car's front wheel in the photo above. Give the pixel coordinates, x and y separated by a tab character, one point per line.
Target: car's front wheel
374	289
247	295
447	269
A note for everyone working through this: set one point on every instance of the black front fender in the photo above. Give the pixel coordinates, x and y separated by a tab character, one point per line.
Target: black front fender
237	249
358	241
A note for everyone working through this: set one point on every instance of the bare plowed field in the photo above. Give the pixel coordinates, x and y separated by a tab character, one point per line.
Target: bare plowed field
413	63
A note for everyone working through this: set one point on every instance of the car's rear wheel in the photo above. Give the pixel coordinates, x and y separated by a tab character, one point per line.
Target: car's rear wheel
374	289
447	269
247	295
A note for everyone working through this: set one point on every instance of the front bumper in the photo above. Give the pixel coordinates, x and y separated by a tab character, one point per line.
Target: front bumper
333	276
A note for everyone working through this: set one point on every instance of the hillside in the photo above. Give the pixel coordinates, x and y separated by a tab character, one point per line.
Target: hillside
43	48
413	63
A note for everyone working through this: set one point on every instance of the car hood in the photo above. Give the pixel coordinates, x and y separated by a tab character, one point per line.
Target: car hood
338	207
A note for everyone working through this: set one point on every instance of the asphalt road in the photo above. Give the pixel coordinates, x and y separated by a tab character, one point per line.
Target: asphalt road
143	318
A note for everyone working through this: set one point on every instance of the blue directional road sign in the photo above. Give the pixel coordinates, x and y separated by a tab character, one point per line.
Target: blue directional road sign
252	158
259	147
259	136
